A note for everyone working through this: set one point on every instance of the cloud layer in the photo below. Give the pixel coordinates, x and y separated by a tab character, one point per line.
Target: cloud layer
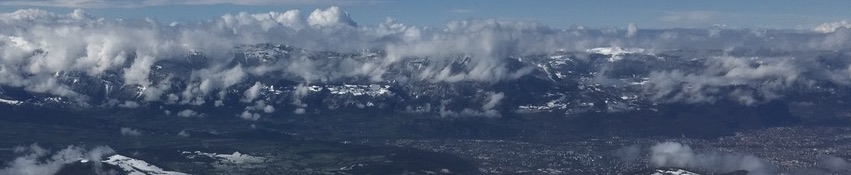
38	47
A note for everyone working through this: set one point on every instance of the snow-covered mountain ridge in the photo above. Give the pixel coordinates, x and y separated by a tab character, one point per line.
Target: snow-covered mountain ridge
270	78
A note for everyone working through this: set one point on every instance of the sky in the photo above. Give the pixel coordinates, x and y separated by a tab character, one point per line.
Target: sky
794	14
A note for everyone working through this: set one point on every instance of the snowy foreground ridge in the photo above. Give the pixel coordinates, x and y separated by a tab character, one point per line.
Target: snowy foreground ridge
137	167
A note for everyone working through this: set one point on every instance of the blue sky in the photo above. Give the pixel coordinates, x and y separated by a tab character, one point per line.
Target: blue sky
556	13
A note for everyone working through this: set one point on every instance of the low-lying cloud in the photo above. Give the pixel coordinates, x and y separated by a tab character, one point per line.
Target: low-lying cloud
673	154
35	160
835	164
760	80
36	46
678	155
130	132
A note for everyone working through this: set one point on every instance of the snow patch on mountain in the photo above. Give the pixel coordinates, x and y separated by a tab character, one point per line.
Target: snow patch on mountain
616	53
356	90
615	50
235	158
11	102
673	172
137	167
551	105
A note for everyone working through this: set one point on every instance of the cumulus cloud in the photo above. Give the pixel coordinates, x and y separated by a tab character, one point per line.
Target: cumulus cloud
36	160
253	112
330	17
631	30
269	109
673	154
489	103
129	104
299	111
130	132
832	26
249	116
187	113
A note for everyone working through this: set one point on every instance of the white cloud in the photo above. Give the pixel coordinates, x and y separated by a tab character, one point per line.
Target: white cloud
266	21
631	30
489	101
129	104
763	82
673	154
269	109
832	26
39	161
130	132
332	16
493	99
252	92
259	105
187	113
35	45
249	116
184	133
